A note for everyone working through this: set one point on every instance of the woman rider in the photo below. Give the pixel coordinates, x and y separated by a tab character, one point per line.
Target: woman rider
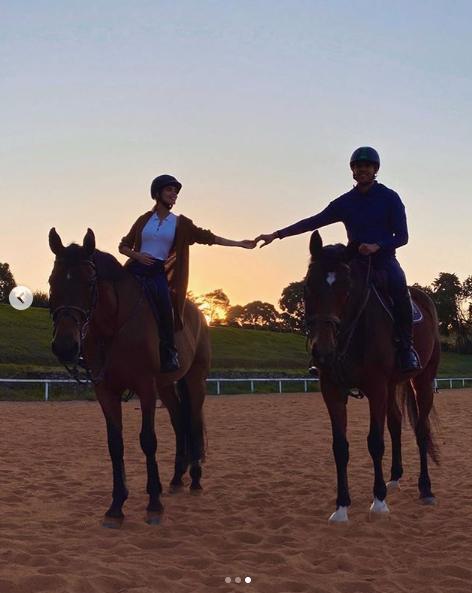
158	248
374	217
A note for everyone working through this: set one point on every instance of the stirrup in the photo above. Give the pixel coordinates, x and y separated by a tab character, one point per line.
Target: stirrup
408	360
355	392
169	361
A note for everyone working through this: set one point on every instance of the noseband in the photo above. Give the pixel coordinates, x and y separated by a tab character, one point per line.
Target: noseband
334	320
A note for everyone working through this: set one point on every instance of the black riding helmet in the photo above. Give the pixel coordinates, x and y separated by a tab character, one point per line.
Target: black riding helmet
161	182
365	153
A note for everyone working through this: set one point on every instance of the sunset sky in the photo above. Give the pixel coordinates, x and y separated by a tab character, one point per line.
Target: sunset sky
255	106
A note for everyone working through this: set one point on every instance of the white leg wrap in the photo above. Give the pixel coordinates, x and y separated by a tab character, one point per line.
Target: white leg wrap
393	485
379	506
339	516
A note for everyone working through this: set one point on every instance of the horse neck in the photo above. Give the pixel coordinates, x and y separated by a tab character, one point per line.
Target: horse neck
116	300
373	323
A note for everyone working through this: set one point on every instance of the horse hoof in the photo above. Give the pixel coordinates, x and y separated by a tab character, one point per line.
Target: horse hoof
393	486
196	490
339	516
428	500
153	518
175	488
112	522
378	510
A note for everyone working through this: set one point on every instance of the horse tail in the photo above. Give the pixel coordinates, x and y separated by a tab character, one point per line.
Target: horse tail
433	447
192	440
406	397
407	401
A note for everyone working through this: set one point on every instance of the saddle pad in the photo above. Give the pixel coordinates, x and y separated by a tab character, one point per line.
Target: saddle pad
387	304
417	314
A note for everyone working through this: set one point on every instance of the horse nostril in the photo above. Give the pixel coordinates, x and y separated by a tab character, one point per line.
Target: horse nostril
65	352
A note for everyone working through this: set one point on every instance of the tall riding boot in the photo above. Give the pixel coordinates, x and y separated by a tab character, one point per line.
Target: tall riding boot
167	350
408	359
165	322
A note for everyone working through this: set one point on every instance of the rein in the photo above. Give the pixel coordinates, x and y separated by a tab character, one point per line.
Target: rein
353	325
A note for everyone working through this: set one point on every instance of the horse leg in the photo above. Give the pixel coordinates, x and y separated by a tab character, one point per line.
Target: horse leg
192	389
148	441
376	445
394	423
111	406
423	384
337	409
169	397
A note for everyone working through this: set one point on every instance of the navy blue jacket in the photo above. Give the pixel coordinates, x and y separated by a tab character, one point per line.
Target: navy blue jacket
377	216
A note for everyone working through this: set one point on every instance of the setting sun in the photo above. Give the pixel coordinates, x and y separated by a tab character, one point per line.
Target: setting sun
211	312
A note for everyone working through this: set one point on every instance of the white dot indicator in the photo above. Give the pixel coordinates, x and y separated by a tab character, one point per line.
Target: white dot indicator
228	580
248	579
237	580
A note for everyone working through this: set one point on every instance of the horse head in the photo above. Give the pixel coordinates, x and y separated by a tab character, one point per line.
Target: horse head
326	292
72	293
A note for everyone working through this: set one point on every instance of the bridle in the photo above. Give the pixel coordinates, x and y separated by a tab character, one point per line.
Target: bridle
82	321
335	321
314	319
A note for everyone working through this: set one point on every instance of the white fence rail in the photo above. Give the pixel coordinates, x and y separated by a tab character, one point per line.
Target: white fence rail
450	382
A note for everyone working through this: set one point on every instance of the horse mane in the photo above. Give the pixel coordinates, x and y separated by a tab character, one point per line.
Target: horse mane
107	266
331	253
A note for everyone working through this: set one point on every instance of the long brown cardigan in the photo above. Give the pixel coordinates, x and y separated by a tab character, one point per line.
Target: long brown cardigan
177	264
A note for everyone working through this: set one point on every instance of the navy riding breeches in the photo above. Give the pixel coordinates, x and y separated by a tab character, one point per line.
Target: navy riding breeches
396	279
157	288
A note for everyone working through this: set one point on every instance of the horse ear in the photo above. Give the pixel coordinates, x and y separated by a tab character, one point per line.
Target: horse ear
55	242
316	245
89	242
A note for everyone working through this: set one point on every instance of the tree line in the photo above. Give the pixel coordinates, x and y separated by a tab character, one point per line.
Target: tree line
453	300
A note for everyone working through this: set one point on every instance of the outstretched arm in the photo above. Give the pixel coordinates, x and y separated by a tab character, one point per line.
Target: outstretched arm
329	215
245	244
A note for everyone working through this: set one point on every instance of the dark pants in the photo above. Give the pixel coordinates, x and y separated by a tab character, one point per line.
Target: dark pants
154	280
398	290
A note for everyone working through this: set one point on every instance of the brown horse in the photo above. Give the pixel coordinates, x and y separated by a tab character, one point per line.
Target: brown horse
101	314
351	337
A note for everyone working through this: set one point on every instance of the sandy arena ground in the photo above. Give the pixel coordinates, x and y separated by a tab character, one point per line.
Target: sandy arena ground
269	489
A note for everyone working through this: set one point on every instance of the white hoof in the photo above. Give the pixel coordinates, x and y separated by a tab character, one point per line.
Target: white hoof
393	486
339	516
428	500
379	507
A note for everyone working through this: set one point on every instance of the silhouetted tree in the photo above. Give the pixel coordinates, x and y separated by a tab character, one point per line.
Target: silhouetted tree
234	316
260	314
7	282
214	304
40	299
292	306
447	291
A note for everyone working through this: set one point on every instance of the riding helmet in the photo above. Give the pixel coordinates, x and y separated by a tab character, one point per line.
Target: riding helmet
365	153
161	182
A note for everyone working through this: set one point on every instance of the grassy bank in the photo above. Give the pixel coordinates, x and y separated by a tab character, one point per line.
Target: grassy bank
25	352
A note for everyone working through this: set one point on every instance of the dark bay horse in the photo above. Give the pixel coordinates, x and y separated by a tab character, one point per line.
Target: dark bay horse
100	311
351	337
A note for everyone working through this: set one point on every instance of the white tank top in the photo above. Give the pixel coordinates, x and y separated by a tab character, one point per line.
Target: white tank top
158	235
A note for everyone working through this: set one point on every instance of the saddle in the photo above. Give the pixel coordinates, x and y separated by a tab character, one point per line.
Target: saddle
379	287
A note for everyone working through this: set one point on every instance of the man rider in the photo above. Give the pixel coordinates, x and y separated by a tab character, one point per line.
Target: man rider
374	217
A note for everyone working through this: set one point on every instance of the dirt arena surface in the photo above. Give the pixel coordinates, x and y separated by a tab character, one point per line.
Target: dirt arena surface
269	489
